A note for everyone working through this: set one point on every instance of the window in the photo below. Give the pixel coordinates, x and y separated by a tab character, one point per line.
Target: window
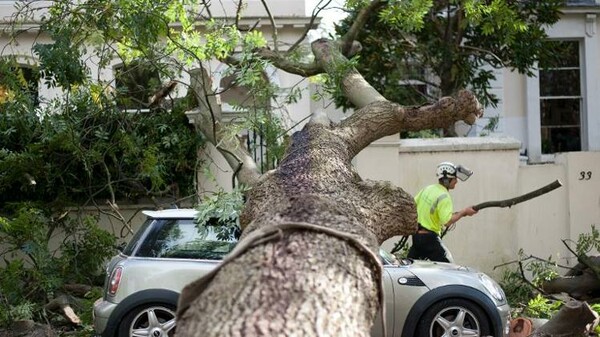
180	238
135	84
561	100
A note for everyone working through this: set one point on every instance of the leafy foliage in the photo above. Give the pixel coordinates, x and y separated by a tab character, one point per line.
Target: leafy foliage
60	154
588	241
541	307
82	147
524	292
542	271
596	308
491	126
222	210
516	289
451	46
73	151
36	267
61	63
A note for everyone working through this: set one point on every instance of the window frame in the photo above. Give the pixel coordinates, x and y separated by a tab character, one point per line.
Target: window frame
553	97
534	99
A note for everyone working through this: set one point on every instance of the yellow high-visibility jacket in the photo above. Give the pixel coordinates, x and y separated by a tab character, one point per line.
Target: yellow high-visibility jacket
434	207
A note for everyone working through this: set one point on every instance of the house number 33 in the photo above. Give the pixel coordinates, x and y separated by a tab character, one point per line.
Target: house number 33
585	175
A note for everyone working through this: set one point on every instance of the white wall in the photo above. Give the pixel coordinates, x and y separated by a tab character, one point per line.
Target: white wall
542	222
494	235
255	8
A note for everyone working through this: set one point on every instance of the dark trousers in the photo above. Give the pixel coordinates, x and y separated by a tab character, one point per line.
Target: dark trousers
427	246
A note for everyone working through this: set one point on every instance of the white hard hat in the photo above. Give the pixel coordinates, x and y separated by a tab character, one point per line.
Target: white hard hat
445	170
449	170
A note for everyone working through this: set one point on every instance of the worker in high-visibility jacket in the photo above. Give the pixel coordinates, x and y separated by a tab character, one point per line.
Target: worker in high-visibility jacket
435	212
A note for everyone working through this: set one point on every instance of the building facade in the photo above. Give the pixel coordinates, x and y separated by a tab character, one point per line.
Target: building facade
552	121
558	109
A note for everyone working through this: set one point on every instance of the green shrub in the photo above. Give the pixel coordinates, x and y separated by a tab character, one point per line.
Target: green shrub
517	291
542	307
34	272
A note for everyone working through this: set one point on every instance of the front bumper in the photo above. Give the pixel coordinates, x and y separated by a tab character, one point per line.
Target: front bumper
100	315
504	312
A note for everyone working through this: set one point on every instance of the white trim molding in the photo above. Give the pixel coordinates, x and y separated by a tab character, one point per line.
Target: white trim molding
590	24
534	138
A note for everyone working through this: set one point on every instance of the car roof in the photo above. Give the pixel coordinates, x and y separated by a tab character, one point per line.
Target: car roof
176	213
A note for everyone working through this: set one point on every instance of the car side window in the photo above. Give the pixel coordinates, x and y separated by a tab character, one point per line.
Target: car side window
183	238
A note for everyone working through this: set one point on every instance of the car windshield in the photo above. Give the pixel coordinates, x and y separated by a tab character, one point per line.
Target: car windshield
180	238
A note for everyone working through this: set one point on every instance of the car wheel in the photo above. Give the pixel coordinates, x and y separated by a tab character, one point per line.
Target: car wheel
455	318
152	320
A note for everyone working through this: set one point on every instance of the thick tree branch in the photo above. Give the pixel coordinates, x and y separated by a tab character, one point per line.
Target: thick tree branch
583	287
445	112
381	119
283	62
513	201
355	87
387	209
207	119
62	304
376	117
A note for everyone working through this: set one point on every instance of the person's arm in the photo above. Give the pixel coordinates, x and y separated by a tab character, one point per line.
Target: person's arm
457	215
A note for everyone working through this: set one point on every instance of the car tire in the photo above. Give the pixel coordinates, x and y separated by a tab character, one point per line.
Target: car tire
454	317
152	320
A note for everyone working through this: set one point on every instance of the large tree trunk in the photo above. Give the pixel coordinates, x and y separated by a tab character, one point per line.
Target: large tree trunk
307	263
305	279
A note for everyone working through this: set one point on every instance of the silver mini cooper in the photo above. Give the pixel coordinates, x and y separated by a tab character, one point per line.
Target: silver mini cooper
422	298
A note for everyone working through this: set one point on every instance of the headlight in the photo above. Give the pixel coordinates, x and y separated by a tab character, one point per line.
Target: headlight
492	287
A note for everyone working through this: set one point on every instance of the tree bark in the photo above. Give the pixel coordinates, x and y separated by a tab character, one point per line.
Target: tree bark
582	282
305	282
584	286
306	264
591	263
570	321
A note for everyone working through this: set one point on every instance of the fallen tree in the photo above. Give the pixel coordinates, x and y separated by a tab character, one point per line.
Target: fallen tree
313	211
306	263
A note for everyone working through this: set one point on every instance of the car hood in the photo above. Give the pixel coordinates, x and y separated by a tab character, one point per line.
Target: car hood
438	274
420	265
